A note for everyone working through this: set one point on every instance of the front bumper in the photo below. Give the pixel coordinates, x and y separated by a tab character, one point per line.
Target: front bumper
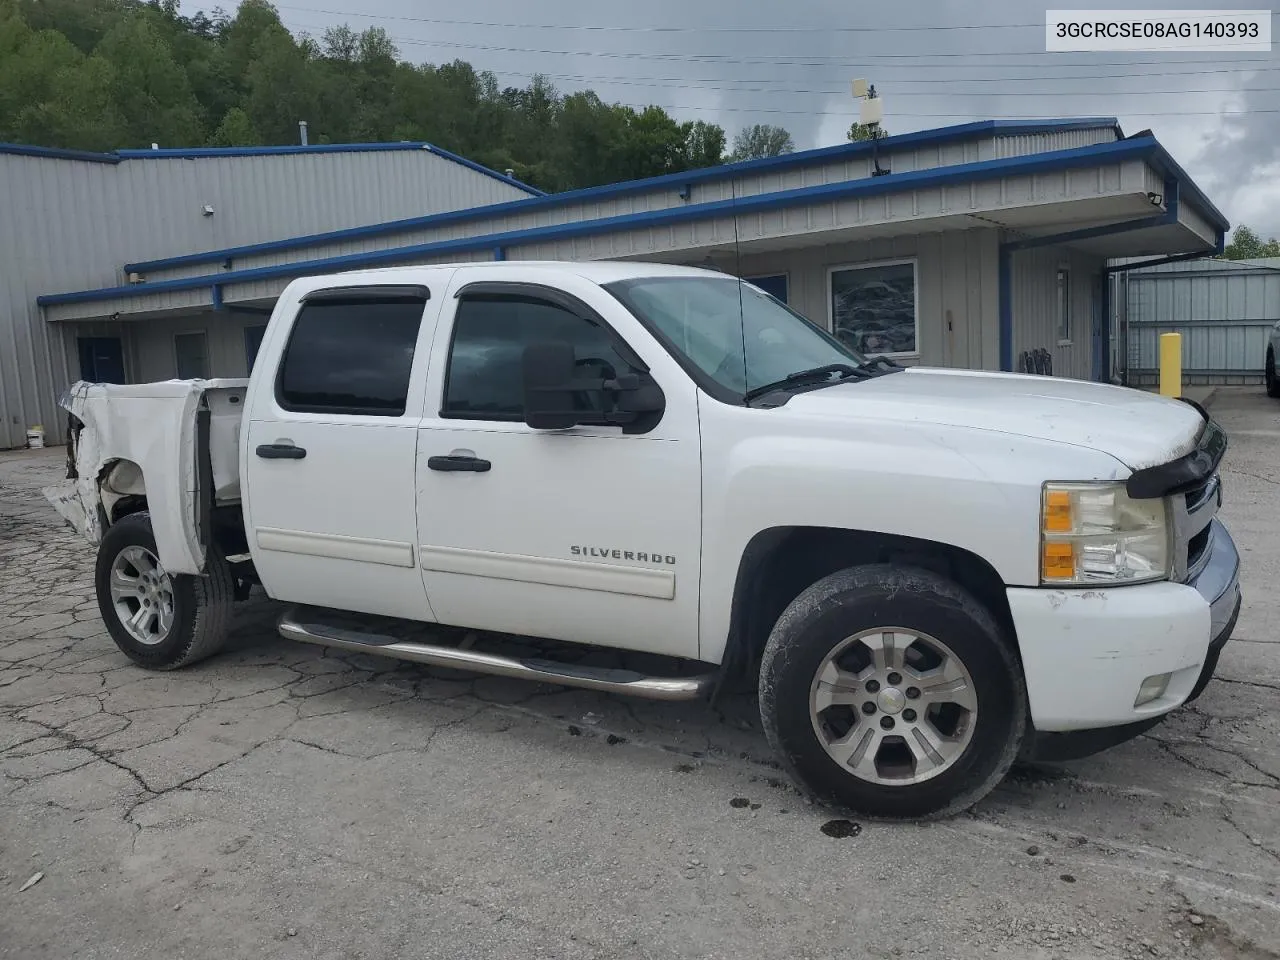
1085	652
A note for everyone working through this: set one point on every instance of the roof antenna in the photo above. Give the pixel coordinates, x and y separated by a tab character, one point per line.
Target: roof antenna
870	116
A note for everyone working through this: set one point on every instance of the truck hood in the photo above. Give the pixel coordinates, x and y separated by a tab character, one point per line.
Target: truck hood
1138	429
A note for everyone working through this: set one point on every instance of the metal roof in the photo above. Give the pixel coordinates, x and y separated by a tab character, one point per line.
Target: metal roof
198	153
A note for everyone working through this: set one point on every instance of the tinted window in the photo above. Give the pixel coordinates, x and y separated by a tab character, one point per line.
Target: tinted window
485	378
351	356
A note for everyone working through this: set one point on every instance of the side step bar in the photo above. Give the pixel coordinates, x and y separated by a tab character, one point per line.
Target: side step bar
295	625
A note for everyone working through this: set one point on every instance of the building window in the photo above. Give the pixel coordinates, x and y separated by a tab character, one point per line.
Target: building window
1064	306
351	356
252	344
192	351
484	380
774	285
873	307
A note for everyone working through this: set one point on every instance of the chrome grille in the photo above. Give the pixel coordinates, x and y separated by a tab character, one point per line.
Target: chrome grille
1193	512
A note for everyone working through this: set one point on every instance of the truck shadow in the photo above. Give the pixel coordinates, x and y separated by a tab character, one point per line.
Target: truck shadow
727	729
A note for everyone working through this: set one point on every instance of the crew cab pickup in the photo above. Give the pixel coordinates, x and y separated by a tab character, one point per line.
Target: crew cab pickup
929	571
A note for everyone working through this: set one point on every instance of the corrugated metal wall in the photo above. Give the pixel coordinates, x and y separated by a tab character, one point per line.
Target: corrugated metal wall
1027	143
1222	308
1213	351
71	224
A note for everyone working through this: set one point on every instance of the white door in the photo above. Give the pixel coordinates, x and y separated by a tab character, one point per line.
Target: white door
586	534
330	457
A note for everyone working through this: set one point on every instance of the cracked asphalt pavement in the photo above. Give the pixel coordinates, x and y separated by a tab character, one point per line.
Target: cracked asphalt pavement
283	801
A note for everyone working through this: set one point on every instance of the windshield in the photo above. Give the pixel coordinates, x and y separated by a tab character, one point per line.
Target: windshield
709	320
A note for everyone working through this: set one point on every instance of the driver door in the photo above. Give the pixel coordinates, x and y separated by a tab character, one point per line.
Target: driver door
583	534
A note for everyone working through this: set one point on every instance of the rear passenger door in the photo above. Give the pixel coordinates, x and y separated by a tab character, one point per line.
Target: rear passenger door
329	505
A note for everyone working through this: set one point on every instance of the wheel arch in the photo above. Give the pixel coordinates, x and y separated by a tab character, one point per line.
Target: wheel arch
779	563
122	489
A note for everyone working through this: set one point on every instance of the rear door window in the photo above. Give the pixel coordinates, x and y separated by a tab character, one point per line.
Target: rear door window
351	355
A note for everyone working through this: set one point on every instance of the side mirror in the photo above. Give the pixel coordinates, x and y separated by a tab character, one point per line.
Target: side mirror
557	397
548	385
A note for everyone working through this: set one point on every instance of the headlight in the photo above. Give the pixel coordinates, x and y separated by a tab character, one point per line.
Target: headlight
1096	533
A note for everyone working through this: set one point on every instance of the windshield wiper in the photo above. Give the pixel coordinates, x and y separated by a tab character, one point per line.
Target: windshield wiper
801	377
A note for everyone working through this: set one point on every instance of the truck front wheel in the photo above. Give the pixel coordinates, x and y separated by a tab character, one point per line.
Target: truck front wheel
891	691
159	620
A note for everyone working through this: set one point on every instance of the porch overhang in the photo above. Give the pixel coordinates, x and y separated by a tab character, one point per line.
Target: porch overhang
1126	198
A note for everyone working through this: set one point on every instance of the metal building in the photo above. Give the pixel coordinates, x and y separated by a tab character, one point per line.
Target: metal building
979	245
1222	308
70	220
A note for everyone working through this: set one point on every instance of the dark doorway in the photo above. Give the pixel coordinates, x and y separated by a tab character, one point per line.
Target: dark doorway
252	341
101	359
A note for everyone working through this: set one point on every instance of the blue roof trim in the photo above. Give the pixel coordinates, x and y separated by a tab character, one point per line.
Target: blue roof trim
1135	148
198	153
480	168
56	153
941	135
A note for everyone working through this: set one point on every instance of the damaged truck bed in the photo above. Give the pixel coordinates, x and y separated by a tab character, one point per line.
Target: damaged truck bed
174	443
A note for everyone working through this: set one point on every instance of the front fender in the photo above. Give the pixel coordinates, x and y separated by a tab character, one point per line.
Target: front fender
974	489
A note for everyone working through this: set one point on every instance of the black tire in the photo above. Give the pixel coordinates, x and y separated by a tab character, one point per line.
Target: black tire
202	606
861	599
1273	385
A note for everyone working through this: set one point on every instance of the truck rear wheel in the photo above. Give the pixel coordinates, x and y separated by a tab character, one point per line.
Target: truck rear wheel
159	620
890	691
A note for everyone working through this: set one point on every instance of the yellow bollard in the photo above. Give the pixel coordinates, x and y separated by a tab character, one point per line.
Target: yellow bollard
1170	364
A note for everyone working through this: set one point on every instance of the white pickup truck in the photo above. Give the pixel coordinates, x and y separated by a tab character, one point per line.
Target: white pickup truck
932	571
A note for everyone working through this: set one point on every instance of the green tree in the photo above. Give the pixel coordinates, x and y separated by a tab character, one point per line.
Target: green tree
282	87
864	131
1247	245
149	88
50	92
761	140
235	130
704	144
102	74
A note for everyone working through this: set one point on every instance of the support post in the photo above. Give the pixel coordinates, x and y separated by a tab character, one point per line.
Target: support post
1170	364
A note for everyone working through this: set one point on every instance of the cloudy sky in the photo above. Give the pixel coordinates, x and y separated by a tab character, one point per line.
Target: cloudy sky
934	62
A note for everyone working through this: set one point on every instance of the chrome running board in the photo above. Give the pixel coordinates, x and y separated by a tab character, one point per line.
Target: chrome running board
296	625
